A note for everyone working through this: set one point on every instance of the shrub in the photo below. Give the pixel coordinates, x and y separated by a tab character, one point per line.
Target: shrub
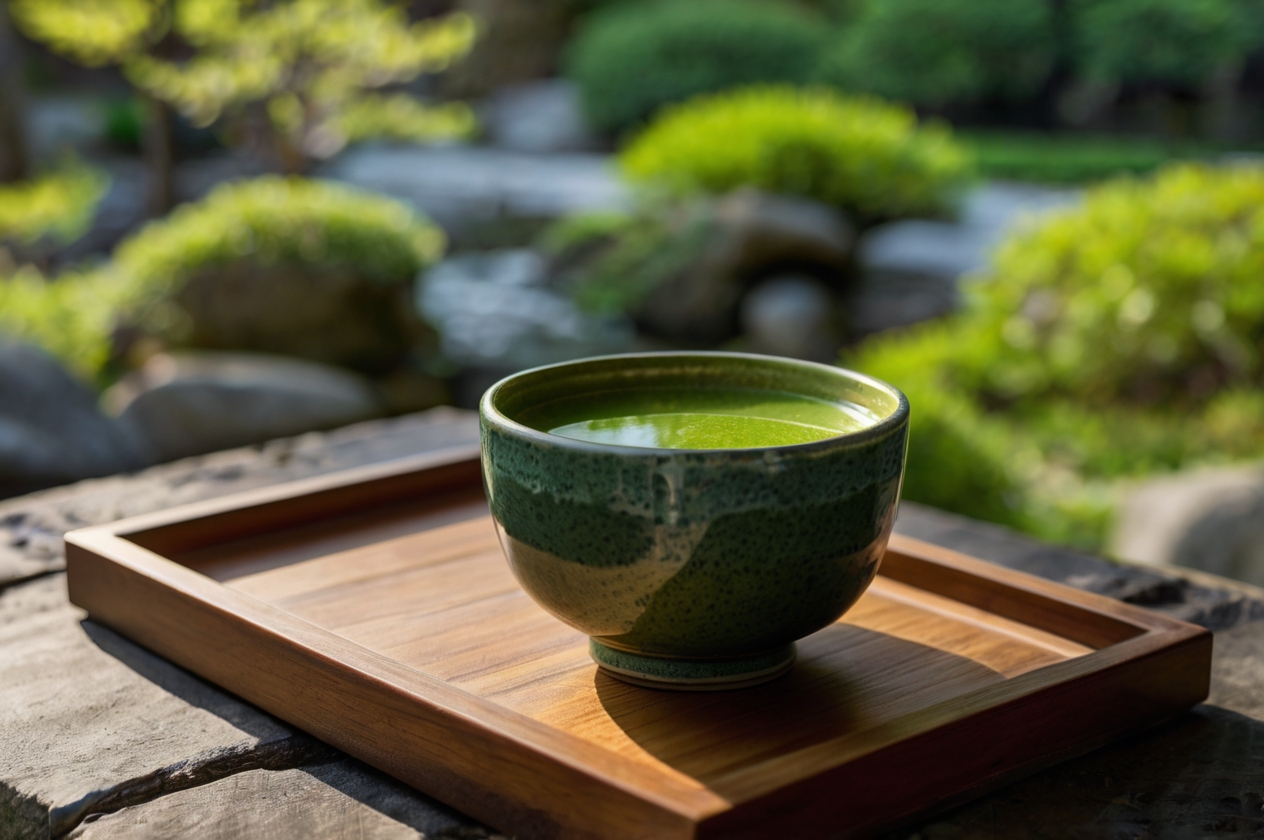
270	221
1149	292
631	59
862	155
932	52
59	204
1179	42
71	317
280	220
958	459
1110	341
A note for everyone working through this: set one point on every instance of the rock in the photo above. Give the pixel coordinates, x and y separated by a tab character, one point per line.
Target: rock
792	315
1232	686
964	245
58	123
191	404
330	315
31	527
884	299
1207	519
494	310
538	118
84	713
1209	604
751	234
51	430
464	187
90	723
340	799
909	269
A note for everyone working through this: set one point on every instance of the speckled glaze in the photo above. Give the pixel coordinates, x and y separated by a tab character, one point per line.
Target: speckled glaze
693	568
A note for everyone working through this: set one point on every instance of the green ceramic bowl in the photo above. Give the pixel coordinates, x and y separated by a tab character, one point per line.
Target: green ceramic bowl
692	568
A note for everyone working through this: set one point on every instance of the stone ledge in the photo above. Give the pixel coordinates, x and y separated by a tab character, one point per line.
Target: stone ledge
31	527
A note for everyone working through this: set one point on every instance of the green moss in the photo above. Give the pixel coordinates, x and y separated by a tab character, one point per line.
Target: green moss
865	156
612	261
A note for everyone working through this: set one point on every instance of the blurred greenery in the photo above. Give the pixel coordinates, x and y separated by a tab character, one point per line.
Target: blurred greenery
124	122
862	155
271	220
1106	342
631	59
59	204
1180	42
1150	292
71	317
932	52
403	118
293	72
1072	158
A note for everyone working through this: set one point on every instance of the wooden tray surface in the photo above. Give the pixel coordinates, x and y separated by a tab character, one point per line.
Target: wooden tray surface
374	608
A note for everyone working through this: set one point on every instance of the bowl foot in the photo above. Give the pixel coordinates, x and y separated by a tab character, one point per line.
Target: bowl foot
691	674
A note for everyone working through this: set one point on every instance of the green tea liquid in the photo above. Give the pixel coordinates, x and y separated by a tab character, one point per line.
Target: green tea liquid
703	418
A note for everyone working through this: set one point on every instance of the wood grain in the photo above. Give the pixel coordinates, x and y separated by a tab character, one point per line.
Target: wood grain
378	612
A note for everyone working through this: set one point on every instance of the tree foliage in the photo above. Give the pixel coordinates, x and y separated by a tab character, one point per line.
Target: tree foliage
288	75
931	52
1176	42
629	60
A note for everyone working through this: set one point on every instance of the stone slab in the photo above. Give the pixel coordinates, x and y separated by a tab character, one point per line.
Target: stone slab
341	799
1216	607
91	724
1199	776
86	715
31	526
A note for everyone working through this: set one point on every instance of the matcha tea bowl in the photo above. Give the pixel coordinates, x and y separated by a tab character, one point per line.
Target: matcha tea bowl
693	513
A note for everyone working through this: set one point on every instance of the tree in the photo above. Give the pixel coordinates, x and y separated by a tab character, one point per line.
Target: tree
292	80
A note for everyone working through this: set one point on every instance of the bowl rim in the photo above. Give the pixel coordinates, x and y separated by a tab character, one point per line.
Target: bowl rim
488	413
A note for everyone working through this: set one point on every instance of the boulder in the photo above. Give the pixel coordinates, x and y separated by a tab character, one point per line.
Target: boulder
1208	519
884	299
537	117
330	315
792	315
909	269
51	430
751	234
191	404
496	311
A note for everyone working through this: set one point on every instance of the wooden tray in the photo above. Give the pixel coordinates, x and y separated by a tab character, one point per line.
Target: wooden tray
374	609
